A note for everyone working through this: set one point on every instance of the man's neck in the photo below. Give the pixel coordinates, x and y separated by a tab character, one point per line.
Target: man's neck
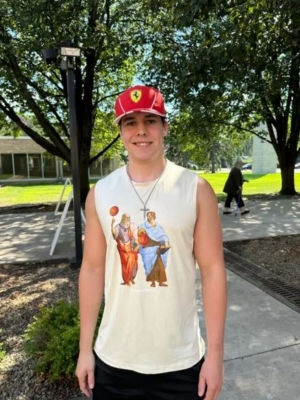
146	172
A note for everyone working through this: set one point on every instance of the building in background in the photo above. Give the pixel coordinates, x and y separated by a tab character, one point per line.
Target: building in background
264	158
21	159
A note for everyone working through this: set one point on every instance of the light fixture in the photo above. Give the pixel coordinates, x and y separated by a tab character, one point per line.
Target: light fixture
70	51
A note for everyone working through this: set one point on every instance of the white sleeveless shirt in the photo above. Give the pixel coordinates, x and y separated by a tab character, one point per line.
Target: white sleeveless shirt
150	325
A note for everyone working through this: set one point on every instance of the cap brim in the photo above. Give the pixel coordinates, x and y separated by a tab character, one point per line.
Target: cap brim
150	111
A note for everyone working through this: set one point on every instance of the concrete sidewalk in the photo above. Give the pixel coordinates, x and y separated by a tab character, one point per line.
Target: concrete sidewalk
28	237
262	348
267	218
262	345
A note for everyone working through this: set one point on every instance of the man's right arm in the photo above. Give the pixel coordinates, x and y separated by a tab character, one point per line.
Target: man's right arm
91	289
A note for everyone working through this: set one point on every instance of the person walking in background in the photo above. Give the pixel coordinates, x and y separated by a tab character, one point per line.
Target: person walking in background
233	188
149	344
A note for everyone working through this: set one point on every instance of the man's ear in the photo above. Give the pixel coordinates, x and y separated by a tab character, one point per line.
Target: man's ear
166	127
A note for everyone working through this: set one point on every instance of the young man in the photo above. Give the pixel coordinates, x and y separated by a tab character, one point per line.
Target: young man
149	344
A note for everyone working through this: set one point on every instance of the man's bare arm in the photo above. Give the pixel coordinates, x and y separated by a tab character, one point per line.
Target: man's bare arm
91	289
208	250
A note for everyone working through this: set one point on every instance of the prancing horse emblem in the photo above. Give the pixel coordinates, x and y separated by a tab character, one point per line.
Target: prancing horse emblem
136	95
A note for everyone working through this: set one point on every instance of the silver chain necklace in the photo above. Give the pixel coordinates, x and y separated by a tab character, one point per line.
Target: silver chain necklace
145	209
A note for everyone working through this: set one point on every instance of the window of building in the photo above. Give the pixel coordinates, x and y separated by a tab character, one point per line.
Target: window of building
35	166
6	166
49	166
21	167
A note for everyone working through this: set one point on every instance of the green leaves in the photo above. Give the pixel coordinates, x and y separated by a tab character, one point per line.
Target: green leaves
51	340
232	62
111	41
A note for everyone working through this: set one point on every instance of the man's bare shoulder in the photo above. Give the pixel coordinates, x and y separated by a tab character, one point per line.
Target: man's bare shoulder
204	187
91	193
90	199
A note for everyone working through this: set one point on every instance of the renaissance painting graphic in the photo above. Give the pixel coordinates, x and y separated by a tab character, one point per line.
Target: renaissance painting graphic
147	239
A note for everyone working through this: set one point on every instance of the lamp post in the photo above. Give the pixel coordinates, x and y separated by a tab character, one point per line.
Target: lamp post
67	51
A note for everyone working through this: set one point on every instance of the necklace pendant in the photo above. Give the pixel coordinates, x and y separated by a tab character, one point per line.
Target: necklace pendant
145	209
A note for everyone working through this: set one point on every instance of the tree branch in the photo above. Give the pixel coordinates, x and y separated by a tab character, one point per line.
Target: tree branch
44	95
48	128
104	150
240	128
8	110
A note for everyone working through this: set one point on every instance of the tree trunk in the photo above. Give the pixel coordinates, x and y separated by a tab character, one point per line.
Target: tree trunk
84	181
288	178
213	159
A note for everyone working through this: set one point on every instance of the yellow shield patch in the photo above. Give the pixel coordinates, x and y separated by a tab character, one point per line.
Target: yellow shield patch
136	95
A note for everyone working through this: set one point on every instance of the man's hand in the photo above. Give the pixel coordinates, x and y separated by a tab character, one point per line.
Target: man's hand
211	378
85	372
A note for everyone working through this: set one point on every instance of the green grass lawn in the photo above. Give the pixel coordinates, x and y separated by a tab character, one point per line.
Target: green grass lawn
258	184
19	194
31	194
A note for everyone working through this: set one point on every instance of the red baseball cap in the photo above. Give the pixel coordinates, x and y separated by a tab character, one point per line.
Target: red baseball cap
139	98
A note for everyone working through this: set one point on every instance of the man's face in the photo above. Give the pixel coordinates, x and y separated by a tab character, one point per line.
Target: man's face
143	135
125	220
150	216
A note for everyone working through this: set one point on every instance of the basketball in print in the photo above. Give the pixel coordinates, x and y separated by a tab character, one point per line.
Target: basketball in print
114	210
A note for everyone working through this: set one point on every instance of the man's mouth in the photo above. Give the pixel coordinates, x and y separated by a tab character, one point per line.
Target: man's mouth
142	144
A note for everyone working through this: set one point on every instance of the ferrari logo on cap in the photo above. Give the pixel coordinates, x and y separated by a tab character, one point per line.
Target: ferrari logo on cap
136	95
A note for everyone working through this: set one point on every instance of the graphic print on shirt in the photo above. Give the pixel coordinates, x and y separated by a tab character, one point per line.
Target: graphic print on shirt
148	239
154	246
125	234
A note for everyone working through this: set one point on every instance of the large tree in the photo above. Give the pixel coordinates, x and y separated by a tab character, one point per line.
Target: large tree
242	57
191	143
108	36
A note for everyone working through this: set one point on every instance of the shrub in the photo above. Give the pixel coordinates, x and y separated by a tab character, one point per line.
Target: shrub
51	340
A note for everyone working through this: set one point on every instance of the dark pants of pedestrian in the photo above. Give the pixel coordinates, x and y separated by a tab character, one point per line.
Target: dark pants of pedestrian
119	384
238	199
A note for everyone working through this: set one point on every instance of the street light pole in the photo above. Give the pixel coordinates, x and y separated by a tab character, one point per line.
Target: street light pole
67	51
74	162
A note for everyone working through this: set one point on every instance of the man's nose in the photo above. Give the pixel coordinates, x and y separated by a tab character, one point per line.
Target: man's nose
141	129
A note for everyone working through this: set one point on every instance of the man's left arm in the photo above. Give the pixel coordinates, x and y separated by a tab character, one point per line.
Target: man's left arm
208	250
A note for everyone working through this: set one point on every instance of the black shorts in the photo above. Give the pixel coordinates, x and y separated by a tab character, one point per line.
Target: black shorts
119	384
